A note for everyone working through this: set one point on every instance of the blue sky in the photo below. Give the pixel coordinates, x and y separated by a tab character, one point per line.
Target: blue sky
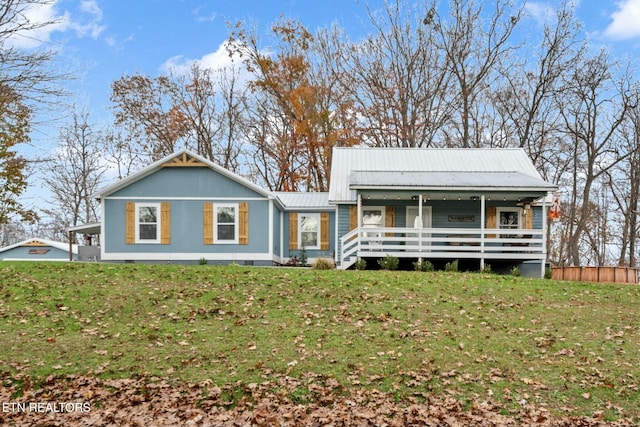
102	40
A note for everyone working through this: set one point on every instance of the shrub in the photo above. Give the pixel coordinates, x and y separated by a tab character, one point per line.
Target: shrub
389	263
361	264
323	264
423	265
451	266
487	269
515	271
303	256
203	261
548	273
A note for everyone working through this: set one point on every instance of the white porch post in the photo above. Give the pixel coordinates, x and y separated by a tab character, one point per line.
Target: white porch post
544	233
482	231
421	227
359	211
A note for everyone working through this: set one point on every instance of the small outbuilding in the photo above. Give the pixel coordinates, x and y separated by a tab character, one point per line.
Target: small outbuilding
37	249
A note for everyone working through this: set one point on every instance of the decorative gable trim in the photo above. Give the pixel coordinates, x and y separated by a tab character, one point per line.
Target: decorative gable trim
183	160
35	243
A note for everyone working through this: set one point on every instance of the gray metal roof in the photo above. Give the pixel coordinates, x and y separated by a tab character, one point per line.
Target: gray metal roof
506	181
413	168
289	200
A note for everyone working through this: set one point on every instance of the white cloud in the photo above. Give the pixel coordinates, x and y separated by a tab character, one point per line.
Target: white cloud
624	24
540	11
46	19
92	25
179	65
35	16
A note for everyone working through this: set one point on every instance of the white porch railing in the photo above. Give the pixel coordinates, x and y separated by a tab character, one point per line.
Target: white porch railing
450	243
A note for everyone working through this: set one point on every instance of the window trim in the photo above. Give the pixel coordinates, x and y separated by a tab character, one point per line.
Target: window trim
236	224
158	222
318	231
499	224
383	214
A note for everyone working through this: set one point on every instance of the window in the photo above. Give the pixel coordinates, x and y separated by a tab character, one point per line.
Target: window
309	231
147	223
373	216
225	223
509	219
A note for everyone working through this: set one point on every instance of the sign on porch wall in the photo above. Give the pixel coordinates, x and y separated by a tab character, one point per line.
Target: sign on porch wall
462	218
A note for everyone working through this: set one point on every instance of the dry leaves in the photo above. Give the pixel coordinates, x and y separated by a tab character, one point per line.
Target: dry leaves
314	400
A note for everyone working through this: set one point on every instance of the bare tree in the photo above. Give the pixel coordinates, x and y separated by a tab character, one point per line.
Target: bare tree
592	109
27	72
527	101
624	182
75	173
145	107
121	153
212	104
473	51
398	79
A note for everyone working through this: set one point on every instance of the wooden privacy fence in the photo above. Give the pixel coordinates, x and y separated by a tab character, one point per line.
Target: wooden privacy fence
596	274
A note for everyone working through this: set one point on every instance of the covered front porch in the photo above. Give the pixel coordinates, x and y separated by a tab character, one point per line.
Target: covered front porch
488	227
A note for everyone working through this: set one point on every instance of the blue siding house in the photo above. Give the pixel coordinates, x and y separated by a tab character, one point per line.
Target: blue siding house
185	208
481	206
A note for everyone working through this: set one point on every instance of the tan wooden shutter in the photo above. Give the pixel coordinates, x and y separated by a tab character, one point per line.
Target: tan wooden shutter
130	223
165	223
390	218
491	219
527	216
324	231
293	231
353	217
208	223
243	223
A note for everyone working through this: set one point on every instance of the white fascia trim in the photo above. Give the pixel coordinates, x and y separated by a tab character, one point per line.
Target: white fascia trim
192	256
164	198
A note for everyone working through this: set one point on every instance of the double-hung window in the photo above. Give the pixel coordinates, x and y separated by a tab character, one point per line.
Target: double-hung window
147	222
225	223
309	231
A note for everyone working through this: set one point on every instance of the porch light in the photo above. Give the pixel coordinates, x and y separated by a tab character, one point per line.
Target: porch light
475	198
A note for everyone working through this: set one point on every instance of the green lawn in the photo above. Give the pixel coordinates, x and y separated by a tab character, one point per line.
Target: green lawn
572	348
